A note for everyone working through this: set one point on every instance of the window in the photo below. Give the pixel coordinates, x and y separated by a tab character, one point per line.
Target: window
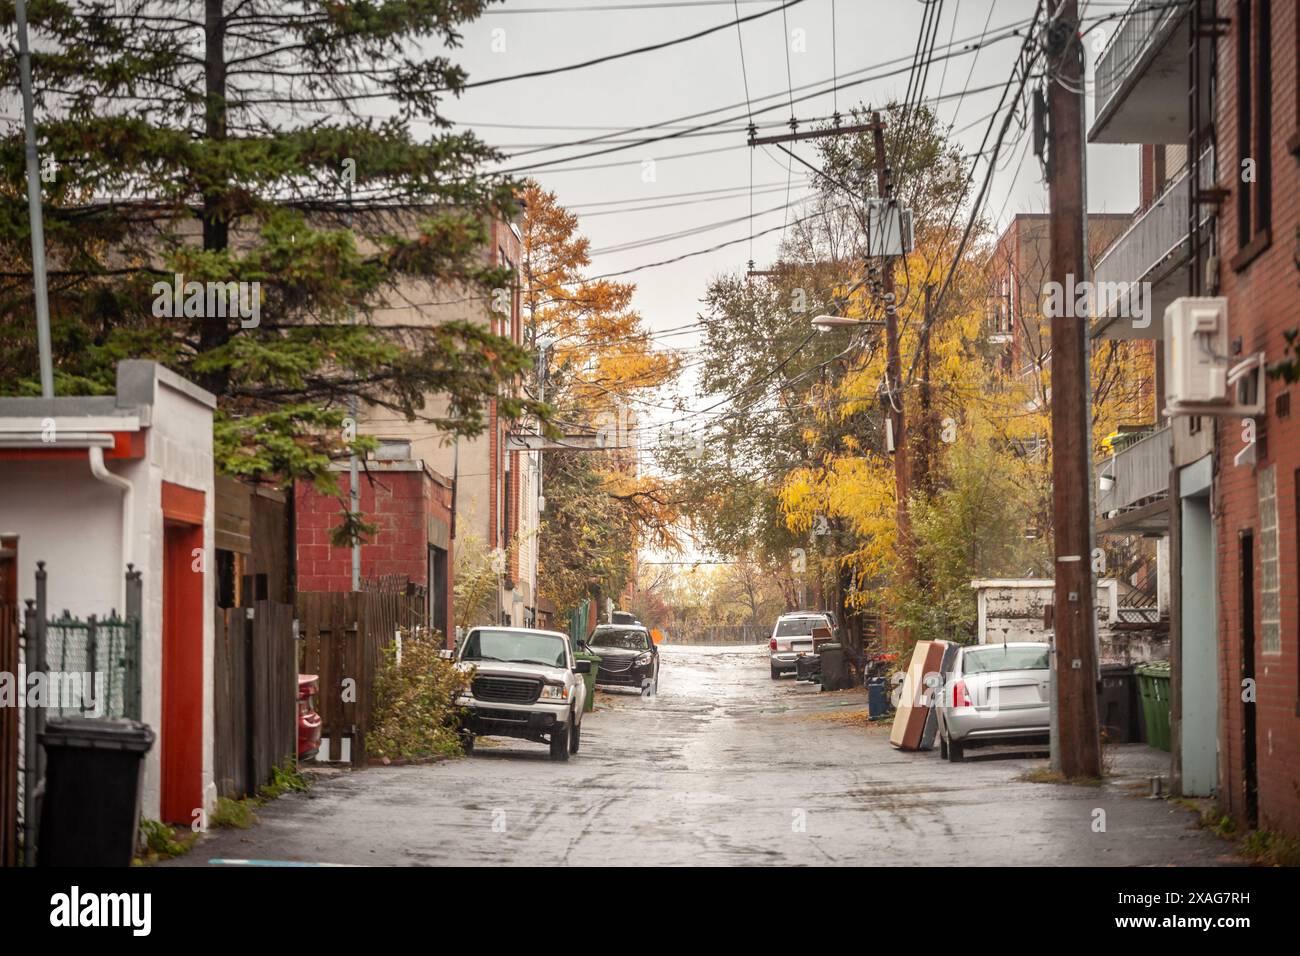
516	647
1254	123
1269	612
991	660
625	639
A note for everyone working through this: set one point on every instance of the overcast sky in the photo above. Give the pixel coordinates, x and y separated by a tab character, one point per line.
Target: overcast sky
870	37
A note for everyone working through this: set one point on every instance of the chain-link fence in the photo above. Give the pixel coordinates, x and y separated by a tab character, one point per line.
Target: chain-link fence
96	665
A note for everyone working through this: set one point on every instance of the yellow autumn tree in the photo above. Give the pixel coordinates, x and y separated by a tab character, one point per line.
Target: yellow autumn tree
599	364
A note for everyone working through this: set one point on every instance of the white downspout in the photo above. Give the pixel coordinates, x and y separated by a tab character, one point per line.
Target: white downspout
117	481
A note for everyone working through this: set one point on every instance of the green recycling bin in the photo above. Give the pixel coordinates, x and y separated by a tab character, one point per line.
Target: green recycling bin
590	677
1153	688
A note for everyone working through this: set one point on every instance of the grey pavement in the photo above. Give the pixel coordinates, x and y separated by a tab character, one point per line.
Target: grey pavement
725	767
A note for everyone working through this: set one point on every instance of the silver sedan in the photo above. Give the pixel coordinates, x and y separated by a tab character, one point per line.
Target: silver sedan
995	694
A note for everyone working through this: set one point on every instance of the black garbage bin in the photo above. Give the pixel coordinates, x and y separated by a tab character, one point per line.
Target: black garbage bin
835	672
91	807
1117	704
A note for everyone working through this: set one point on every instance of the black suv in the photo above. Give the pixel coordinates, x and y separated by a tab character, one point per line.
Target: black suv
628	656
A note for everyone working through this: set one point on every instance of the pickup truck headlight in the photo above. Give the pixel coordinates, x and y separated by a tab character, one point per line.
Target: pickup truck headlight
554	692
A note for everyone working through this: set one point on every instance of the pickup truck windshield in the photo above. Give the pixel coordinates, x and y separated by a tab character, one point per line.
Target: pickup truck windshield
627	640
799	626
518	647
990	660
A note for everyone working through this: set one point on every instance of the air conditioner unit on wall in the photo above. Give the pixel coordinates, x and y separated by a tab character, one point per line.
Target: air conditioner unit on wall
1196	346
1201	377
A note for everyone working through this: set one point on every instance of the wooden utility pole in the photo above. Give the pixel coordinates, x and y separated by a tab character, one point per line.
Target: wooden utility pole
1075	663
893	360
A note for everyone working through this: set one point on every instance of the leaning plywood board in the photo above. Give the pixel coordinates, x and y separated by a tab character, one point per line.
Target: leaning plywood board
909	720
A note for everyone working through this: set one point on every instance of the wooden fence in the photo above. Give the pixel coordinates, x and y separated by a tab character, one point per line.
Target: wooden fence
9	740
342	637
256	685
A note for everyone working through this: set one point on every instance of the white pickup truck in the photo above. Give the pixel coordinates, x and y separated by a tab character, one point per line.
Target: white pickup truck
525	684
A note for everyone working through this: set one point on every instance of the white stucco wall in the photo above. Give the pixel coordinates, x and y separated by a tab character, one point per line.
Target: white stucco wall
64	516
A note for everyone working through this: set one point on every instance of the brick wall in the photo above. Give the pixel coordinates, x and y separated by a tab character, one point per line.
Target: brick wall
1262	298
399	504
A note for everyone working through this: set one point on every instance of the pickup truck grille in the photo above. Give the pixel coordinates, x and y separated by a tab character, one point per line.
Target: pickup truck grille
507	690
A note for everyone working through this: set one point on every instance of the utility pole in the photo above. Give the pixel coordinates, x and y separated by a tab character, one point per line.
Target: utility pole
354	479
1075	661
34	205
893	360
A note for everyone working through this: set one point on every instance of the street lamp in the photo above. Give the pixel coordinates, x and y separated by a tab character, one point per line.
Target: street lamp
824	323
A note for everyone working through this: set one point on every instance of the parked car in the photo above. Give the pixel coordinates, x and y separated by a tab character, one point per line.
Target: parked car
995	694
526	684
628	656
792	635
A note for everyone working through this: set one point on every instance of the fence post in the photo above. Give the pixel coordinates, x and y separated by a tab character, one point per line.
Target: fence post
132	635
134	592
92	654
30	743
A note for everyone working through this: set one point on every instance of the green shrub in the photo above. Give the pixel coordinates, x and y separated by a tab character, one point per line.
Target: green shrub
414	712
285	778
160	842
233	813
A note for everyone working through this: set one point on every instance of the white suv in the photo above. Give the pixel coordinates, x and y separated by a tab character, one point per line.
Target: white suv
792	637
526	684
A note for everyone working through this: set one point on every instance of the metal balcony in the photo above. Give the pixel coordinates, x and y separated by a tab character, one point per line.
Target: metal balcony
1155	250
1140	80
1133	486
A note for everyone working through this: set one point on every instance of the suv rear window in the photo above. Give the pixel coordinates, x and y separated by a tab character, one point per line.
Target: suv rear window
990	660
799	626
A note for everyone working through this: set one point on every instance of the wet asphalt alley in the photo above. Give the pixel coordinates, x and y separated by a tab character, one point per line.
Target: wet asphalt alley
723	767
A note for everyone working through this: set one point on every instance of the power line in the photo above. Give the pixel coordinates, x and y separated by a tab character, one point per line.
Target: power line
650	48
1006	32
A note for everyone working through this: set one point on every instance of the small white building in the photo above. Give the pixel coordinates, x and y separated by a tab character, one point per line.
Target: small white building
92	484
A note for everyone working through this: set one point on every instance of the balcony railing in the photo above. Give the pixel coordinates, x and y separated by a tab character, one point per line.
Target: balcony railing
1156	238
1140	30
1138	474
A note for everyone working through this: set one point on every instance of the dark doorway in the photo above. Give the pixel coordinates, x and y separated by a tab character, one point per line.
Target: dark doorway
1250	772
437	599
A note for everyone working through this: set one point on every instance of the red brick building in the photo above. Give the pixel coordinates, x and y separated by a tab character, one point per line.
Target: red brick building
1257	118
410	505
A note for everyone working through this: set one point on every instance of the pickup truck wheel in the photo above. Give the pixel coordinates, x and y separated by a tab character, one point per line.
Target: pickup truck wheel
560	743
943	747
575	736
776	674
955	751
